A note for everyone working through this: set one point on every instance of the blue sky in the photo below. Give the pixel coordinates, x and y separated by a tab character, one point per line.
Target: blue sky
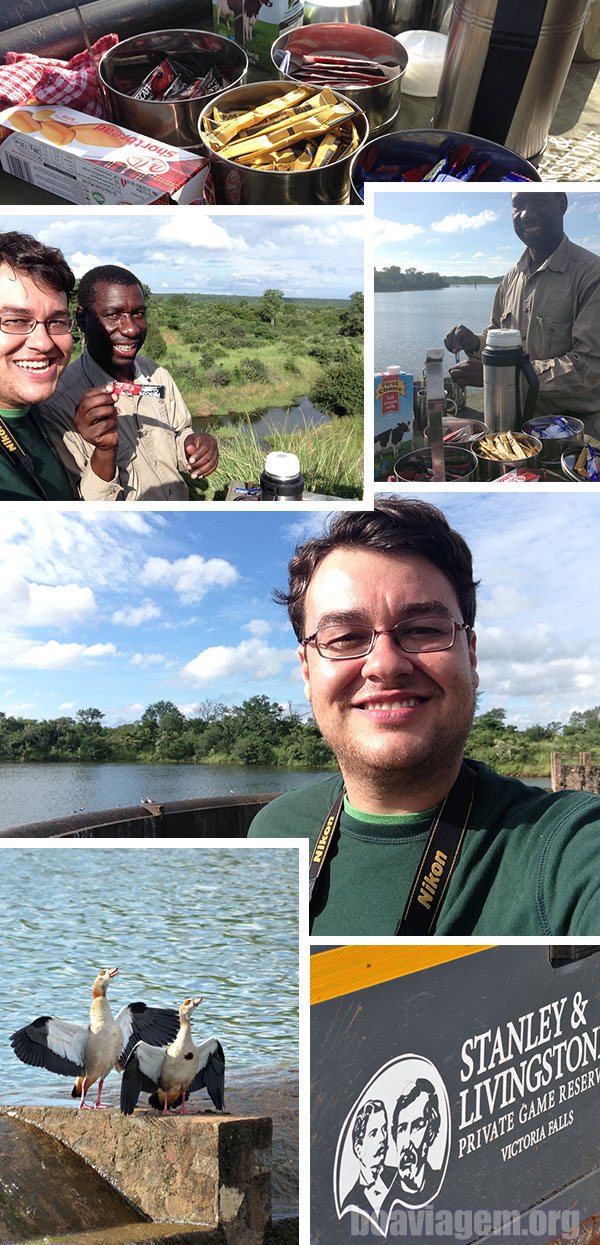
462	232
119	609
189	250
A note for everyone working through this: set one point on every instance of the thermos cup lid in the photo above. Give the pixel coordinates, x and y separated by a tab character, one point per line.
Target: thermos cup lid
282	466
503	339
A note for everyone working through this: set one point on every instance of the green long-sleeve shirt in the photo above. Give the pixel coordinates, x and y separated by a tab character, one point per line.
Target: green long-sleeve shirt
530	863
48	470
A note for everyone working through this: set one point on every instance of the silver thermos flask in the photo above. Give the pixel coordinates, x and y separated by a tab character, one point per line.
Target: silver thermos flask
505	68
505	366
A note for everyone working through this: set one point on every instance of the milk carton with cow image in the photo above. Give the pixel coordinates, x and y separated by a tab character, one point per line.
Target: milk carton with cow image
256	24
393	419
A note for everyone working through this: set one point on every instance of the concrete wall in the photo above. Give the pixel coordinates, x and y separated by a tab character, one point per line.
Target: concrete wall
219	817
211	1170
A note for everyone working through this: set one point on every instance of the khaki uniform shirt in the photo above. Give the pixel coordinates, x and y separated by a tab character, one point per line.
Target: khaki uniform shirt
150	455
556	307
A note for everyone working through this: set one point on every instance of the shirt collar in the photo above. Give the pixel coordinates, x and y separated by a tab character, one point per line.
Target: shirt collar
97	374
557	261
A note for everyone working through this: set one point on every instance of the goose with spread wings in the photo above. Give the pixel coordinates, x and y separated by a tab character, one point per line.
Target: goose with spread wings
88	1052
170	1075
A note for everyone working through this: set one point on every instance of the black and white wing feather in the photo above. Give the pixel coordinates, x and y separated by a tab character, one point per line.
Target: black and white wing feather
51	1043
143	1072
211	1073
157	1026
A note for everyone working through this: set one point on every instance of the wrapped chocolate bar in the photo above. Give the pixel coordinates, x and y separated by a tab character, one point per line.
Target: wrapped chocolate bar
137	389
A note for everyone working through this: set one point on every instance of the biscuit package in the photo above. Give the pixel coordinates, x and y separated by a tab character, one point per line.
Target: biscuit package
88	160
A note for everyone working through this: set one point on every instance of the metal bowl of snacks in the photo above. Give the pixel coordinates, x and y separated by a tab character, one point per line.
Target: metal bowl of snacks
559	434
459	463
289	157
457	430
413	155
366	65
158	83
582	465
500	452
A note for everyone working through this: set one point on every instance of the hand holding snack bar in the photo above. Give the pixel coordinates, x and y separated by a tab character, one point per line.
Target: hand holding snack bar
202	453
96	421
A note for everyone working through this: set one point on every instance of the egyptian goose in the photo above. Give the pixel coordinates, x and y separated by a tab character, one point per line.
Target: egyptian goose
88	1052
171	1073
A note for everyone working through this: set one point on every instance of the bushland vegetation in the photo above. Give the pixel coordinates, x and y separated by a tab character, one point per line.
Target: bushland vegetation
262	732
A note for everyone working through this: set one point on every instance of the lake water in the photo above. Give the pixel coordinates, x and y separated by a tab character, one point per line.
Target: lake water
282	418
220	923
408	323
41	792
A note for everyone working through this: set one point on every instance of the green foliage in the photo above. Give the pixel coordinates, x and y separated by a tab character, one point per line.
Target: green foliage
155	346
340	387
351	321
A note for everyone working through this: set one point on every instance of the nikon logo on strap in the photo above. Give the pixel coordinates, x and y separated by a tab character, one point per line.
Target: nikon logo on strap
7	441
323	839
431	881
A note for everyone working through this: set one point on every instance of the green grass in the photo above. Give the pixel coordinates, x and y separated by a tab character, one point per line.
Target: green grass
283	387
331	458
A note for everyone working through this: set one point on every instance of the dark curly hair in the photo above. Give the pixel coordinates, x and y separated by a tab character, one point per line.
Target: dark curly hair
46	265
396	525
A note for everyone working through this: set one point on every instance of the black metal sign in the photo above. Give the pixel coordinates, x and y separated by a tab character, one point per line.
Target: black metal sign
448	1103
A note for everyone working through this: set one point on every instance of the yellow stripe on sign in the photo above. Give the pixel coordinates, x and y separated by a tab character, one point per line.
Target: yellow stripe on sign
344	969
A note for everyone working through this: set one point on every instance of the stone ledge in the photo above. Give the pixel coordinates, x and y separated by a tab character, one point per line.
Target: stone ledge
138	1234
209	1169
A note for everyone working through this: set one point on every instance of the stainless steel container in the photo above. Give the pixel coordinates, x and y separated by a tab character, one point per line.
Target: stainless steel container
357	12
460	464
505	68
442	16
472	427
236	183
398	15
381	103
123	68
588	48
507	375
408	149
492	469
554	447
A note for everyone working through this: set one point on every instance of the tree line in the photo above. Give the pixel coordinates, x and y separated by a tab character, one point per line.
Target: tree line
262	732
391	280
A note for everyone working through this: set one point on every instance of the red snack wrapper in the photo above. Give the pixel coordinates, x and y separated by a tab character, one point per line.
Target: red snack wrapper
134	389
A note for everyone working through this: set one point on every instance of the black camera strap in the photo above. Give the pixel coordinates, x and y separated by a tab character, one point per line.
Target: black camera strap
436	866
18	458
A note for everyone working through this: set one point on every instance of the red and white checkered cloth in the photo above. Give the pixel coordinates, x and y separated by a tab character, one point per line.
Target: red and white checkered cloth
28	79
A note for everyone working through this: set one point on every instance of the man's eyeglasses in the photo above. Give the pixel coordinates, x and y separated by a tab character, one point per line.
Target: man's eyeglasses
430	634
22	326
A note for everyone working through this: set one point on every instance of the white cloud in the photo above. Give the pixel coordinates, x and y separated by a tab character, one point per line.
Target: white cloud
133	617
387	231
192	577
55	656
183	229
258	627
41	605
459	222
149	659
249	657
81	263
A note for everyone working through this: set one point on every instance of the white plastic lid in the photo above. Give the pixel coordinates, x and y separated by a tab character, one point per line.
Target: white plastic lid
393	370
426	51
282	466
503	339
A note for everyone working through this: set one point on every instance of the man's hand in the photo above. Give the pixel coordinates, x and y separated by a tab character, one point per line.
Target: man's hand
462	338
468	373
96	421
202	453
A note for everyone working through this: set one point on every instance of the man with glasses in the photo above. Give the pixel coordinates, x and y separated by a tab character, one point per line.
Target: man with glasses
117	420
35	348
410	838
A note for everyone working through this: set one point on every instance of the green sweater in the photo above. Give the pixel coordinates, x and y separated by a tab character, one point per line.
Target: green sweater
530	863
49	472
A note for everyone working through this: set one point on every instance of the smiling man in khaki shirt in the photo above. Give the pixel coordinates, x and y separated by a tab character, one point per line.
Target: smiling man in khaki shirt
117	421
552	295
